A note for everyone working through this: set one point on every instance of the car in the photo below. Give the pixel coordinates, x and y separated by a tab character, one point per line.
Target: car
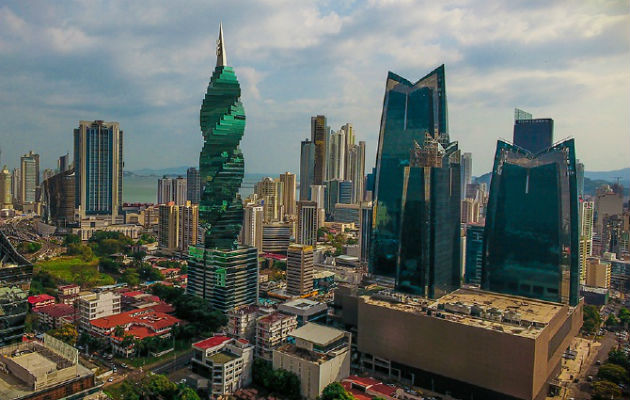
110	380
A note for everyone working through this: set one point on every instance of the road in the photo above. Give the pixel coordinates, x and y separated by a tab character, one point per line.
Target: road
180	362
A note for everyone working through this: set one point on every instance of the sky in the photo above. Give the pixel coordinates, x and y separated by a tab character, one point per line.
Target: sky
147	64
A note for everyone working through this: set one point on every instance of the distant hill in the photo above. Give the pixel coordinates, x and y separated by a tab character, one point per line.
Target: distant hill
172	171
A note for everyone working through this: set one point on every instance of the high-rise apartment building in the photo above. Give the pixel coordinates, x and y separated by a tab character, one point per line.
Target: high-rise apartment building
276	237
58	199
29	169
98	163
288	193
531	245
63	163
270	191
466	174
320	134
474	254
356	171
608	202
193	185
180	190
416	228
6	199
165	190
533	135
337	156
299	269
15	281
365	224
586	234
598	273
167	227
308	222
350	138
178	226
307	165
253	226
16	185
470	211
220	270
318	195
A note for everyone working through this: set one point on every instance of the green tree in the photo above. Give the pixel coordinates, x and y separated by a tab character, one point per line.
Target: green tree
187	393
624	315
71	239
335	391
131	277
614	373
619	357
119	331
160	386
108	265
611	321
592	319
67	333
605	390
148	273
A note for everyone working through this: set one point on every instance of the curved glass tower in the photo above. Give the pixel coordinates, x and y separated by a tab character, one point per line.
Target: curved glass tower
221	271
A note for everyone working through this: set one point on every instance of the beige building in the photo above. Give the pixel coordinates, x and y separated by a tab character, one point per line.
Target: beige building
96	305
178	226
299	269
252	231
288	193
271	331
320	356
6	201
597	273
271	192
586	210
470	211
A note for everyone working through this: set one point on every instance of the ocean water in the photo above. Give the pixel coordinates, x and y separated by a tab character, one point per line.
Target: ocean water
143	189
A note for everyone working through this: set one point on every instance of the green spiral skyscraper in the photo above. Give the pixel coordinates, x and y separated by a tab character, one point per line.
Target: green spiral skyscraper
220	270
221	165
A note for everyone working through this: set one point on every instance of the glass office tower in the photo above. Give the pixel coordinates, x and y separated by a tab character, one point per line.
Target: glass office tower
531	239
415	235
532	134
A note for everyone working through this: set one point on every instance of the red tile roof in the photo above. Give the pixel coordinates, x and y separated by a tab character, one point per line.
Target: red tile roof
211	342
384	389
40	298
56	310
357	394
133	293
363	381
147	317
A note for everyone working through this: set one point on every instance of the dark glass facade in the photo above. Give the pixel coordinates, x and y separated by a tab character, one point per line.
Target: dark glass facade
307	162
474	254
320	136
15	282
533	134
531	236
415	236
193	185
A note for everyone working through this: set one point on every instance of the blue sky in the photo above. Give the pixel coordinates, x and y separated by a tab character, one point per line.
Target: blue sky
147	65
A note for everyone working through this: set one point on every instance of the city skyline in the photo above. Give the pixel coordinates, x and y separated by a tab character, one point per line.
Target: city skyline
151	83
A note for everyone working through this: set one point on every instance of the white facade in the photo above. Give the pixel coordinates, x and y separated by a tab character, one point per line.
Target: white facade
97	305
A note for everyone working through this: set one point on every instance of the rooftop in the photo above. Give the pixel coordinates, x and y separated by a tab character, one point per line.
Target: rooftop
56	310
211	342
303	304
146	317
274	317
39	298
222	357
318	334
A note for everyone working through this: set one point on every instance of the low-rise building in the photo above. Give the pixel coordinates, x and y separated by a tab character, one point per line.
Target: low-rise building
305	310
226	363
242	322
598	273
92	305
68	294
272	331
318	354
40	300
55	315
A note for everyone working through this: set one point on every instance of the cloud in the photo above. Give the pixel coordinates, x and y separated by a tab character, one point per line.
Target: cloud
148	65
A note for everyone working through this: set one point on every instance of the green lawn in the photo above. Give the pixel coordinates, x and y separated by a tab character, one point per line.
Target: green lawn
70	269
181	347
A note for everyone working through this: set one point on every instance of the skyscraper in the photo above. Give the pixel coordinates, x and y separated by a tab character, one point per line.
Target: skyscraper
270	192
416	229
308	222
180	190
356	171
165	190
221	271
466	174
29	168
336	156
474	254
192	185
6	201
532	235
15	281
253	226
16	184
533	135
58	200
586	234
320	136
98	163
307	165
299	269
350	138
63	163
337	191
288	193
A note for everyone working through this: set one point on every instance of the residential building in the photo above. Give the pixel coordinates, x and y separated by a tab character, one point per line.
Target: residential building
178	226
308	222
307	165
180	191
466	173
320	133
44	370
225	362
531	245
533	135
270	191
242	322
356	171
165	193
319	355
29	169
92	305
15	281
193	185
586	234
98	164
6	197
40	300
288	193
252	233
469	331
470	211
336	155
58	194
305	310
271	331
598	273
63	163
276	237
55	316
16	185
318	195
474	254
416	241
608	202
300	269
68	294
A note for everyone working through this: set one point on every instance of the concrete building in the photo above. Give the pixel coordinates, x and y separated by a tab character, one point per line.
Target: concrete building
466	172
598	273
29	170
178	226
252	231
470	343
300	269
180	191
165	190
6	197
586	214
336	156
242	322
47	370
470	211
318	195
319	355
320	136
288	193
68	294
271	331
96	305
193	185
307	164
308	222
355	171
55	316
98	146
305	310
225	362
276	237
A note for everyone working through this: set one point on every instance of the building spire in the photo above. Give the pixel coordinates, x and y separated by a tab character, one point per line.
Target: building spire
221	58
